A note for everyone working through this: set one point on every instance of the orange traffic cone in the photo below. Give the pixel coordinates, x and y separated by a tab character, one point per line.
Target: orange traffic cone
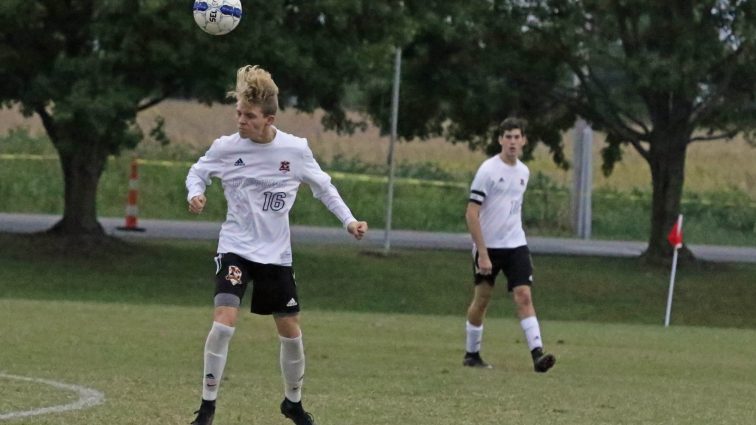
132	210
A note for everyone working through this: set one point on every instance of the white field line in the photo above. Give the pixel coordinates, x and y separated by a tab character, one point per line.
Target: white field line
88	397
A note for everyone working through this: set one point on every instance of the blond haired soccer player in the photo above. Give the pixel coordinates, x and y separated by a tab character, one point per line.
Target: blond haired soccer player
495	223
260	168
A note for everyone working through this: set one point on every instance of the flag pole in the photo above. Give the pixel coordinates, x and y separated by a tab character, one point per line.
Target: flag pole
675	238
671	289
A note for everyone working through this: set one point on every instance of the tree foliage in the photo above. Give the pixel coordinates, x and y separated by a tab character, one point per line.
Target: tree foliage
656	76
86	67
653	75
464	69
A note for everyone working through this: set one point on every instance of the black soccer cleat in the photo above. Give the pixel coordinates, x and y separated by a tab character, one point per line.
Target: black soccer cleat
474	360
205	413
542	362
296	413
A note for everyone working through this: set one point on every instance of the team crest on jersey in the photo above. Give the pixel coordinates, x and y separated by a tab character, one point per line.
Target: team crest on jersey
522	182
284	168
234	275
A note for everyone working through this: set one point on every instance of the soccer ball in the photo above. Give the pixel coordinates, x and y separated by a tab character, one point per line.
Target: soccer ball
217	17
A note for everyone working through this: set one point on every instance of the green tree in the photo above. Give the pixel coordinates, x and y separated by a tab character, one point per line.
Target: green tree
87	67
464	69
657	76
654	75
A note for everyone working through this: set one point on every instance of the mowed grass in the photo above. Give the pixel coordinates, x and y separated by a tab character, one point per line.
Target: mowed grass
339	278
367	368
384	338
370	368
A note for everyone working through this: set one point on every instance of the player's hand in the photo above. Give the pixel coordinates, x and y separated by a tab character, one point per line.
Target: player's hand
484	264
357	229
197	204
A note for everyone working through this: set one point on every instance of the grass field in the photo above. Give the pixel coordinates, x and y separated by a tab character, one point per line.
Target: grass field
384	335
381	369
384	338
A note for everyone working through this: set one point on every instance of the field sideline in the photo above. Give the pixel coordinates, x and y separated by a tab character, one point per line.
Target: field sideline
367	368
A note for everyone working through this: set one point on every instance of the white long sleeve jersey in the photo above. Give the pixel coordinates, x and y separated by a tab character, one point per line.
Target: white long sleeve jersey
499	189
260	183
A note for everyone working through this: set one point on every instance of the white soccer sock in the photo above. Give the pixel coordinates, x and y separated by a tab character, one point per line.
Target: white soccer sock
292	367
474	337
532	332
216	350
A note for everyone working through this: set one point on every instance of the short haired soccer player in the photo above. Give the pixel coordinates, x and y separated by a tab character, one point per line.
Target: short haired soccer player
260	168
495	223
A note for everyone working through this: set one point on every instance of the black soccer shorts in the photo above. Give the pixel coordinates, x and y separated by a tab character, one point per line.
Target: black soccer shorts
274	290
514	262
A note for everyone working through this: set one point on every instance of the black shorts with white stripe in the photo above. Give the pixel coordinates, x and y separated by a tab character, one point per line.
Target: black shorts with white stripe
274	290
514	262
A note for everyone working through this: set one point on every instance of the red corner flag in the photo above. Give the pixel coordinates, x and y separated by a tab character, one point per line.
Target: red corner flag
675	236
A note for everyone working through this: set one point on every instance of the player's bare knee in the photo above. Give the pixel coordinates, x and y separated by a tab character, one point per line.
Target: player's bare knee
226	318
522	297
287	325
523	300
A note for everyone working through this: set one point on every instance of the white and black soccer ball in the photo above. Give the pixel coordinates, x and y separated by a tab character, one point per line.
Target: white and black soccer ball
217	17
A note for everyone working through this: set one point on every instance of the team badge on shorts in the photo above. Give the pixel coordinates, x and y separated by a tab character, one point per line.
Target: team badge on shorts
284	168
234	275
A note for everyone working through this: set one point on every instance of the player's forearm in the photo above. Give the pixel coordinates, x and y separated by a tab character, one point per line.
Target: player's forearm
477	237
338	207
473	226
195	185
199	175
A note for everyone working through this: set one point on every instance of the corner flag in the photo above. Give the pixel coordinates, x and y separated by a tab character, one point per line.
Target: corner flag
675	238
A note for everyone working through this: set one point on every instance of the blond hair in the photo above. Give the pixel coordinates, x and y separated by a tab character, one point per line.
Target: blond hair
255	86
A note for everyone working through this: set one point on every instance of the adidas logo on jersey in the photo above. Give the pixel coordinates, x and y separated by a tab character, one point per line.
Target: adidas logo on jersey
292	303
239	163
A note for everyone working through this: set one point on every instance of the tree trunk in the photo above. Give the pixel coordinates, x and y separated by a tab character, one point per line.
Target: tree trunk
81	175
667	162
